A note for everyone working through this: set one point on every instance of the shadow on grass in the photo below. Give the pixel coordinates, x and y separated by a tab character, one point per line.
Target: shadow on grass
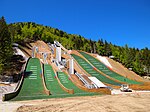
27	74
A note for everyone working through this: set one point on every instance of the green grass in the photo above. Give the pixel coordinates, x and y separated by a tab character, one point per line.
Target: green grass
51	81
89	69
100	66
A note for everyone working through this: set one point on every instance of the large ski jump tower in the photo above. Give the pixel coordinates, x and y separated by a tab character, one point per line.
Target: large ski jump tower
71	66
58	54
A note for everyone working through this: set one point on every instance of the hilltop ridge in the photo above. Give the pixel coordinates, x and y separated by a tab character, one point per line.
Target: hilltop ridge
27	32
138	60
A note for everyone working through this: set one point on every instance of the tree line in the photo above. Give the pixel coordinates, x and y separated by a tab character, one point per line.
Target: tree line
6	51
26	32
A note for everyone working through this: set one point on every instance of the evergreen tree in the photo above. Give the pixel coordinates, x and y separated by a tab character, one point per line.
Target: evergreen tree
107	49
100	47
91	46
5	44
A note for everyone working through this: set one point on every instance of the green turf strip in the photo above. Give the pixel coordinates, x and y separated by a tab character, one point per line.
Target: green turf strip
100	66
68	84
32	87
51	81
89	69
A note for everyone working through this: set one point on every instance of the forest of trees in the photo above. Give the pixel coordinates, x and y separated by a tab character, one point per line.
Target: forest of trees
6	51
25	32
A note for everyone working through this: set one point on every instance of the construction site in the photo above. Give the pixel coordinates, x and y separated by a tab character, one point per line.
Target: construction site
52	72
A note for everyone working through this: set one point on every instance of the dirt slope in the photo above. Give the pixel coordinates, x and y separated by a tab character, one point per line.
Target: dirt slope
119	68
116	103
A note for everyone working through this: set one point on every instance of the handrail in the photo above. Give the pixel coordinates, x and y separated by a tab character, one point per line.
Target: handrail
83	80
99	90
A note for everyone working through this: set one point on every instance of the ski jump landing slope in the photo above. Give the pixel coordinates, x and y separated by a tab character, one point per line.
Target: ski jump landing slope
89	69
32	87
100	66
51	82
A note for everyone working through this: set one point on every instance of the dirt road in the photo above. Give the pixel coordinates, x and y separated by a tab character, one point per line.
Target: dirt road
111	103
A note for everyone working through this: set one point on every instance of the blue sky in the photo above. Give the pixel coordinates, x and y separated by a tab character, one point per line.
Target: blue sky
118	21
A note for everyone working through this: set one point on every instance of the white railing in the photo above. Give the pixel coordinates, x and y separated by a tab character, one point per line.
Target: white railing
86	83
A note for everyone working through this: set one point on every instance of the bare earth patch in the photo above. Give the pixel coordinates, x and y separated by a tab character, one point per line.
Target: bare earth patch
108	103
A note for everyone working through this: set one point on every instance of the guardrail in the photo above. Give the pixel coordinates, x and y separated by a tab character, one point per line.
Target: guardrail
89	86
99	90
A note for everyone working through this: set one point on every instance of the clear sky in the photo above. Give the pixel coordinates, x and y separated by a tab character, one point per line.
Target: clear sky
118	21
